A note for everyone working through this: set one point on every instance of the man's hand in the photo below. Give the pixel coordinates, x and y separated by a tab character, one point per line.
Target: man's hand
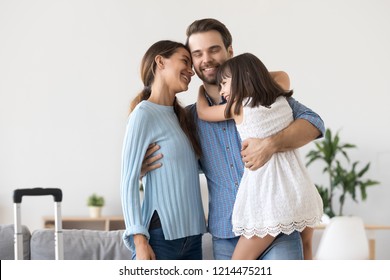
149	162
143	250
256	152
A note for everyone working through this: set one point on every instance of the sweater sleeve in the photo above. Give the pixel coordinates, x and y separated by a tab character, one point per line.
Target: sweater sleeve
136	141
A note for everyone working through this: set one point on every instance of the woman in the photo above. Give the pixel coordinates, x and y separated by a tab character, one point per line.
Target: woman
171	221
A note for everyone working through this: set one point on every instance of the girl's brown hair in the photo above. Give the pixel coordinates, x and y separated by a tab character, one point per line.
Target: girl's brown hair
250	78
166	49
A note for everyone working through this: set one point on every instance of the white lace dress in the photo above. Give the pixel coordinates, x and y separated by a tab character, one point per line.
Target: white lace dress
280	196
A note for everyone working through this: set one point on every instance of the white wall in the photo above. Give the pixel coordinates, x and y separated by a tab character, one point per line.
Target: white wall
68	70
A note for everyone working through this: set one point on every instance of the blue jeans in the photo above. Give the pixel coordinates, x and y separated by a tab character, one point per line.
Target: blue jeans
284	247
187	248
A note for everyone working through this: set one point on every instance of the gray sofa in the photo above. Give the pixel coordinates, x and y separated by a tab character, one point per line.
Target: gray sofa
78	244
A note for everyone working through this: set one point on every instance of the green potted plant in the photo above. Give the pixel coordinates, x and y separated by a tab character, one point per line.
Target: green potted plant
344	179
95	204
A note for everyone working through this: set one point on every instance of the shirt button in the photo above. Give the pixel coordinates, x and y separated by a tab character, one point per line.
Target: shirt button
227	148
224	129
231	165
236	184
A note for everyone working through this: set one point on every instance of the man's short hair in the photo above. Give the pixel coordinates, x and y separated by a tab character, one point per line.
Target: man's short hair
207	24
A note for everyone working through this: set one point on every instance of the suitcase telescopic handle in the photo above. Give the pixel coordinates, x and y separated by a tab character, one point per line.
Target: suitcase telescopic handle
19	193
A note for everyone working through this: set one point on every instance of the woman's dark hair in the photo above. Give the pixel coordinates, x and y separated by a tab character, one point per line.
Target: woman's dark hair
166	49
250	78
207	24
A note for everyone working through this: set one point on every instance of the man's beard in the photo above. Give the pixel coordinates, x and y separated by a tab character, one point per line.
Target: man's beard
210	81
207	80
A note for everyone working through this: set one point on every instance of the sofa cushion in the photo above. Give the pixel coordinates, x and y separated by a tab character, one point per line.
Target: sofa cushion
80	245
7	251
207	246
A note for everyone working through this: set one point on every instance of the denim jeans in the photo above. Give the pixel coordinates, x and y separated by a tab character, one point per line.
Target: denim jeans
284	247
187	248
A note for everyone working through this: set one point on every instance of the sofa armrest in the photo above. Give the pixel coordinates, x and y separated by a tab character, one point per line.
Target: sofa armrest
7	251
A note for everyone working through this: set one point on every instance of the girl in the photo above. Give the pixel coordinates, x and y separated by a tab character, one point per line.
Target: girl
278	197
171	221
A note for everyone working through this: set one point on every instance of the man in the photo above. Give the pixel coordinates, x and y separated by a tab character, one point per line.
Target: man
224	154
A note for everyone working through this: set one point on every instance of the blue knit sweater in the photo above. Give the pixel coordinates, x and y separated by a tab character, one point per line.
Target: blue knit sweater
172	190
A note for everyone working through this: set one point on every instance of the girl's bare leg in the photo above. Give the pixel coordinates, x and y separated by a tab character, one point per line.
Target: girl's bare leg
307	236
252	248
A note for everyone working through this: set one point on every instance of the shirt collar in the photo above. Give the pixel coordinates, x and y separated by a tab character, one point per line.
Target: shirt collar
211	102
